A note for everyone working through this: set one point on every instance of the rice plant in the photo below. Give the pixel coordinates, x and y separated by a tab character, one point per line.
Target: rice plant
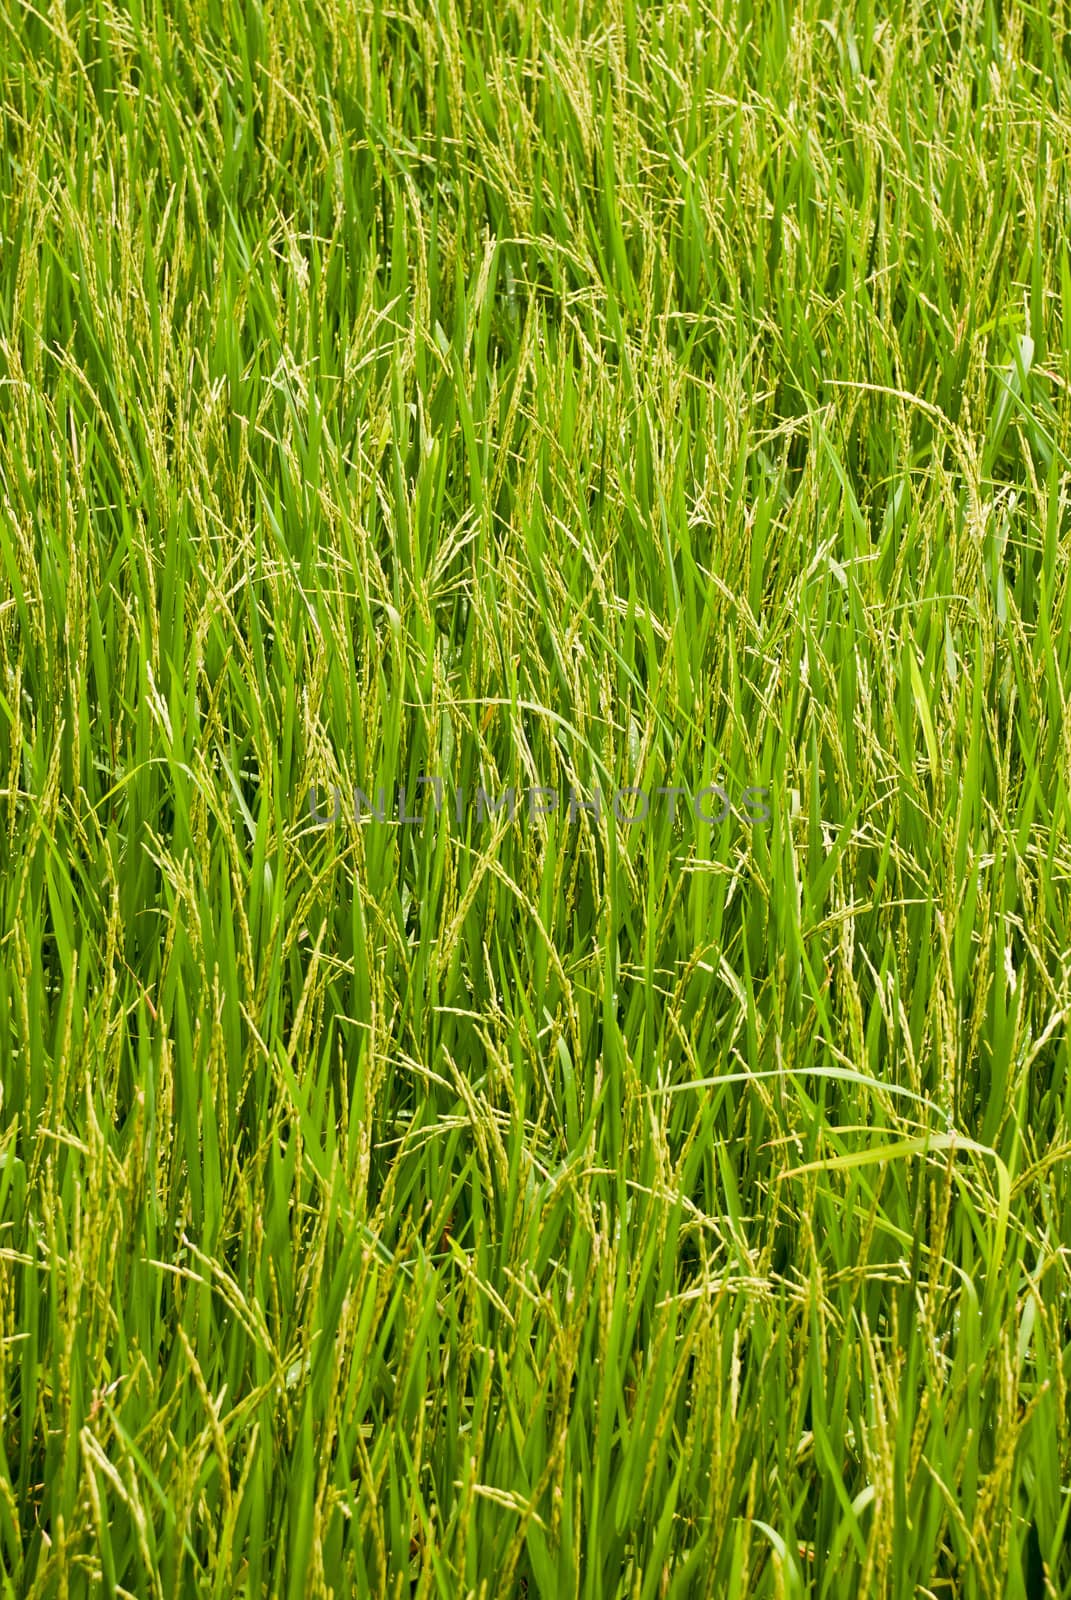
535	882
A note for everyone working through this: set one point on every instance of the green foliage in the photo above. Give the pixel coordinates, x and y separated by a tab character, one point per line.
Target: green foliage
530	395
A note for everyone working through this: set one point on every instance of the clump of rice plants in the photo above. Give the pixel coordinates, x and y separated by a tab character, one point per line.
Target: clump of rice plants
622	453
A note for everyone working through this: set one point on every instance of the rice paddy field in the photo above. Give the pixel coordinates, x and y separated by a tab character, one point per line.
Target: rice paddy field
535	874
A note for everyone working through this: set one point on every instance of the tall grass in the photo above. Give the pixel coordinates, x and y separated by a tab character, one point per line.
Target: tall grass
534	395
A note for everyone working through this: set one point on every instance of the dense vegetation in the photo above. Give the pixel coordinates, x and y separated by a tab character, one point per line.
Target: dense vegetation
538	395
